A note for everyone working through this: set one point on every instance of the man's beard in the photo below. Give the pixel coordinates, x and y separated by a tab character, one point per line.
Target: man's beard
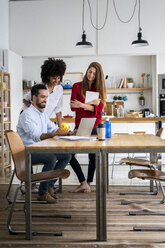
40	105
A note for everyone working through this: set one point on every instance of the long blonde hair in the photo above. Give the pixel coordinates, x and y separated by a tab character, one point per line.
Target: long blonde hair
99	82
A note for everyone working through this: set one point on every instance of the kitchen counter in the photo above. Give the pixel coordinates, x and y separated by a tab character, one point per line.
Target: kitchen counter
119	120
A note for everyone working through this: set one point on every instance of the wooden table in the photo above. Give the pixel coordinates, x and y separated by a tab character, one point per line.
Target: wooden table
125	143
63	146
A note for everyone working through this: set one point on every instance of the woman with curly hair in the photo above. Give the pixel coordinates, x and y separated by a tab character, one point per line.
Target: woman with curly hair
52	72
92	81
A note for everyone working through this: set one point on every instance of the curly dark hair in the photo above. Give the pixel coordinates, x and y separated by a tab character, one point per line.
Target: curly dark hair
52	67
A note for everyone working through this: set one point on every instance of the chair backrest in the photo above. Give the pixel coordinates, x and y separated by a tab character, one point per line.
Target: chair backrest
18	153
159	132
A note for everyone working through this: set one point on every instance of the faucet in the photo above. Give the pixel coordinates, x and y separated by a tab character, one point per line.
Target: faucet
112	107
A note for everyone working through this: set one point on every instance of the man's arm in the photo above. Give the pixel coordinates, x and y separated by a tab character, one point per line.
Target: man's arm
58	132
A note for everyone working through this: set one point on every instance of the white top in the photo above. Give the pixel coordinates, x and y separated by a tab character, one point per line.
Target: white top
54	101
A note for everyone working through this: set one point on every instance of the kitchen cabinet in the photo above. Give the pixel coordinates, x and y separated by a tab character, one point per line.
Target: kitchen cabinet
5	155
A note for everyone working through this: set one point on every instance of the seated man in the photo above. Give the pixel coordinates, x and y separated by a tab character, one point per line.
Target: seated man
34	126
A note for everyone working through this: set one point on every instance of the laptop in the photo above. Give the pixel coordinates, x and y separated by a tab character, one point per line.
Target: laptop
85	127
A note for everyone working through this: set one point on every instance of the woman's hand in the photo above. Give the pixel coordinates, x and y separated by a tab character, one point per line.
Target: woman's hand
76	104
95	102
27	103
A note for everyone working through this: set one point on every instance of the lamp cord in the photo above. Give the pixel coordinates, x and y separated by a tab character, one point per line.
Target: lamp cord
83	18
131	15
105	16
139	17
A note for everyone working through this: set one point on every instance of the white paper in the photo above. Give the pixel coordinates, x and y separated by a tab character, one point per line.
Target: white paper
73	137
91	95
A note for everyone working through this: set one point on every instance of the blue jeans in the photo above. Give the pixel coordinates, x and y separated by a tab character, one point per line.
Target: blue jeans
50	163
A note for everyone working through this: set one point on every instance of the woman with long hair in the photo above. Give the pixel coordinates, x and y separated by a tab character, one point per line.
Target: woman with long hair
92	81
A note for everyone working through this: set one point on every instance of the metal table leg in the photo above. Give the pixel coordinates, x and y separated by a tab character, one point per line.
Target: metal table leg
101	187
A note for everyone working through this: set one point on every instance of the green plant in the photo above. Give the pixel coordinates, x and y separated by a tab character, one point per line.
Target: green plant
129	80
141	97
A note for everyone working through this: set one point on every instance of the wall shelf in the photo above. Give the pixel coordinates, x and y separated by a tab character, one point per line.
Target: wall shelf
5	155
121	89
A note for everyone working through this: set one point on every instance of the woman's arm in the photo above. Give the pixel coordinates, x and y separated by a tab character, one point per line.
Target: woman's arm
59	118
27	103
75	104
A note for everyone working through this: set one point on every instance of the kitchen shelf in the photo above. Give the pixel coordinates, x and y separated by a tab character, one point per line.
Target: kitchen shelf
121	89
129	89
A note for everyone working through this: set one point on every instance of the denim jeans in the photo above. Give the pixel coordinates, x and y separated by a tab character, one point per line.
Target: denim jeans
51	162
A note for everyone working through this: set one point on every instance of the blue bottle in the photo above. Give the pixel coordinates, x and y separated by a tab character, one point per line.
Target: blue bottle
107	128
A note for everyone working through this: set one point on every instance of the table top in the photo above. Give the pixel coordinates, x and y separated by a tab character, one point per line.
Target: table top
124	141
138	141
53	143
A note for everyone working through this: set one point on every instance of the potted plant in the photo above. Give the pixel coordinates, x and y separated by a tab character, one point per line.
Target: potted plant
24	84
130	82
142	100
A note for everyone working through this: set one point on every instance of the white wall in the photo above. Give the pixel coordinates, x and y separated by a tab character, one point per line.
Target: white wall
116	37
161	63
48	27
52	27
4	21
14	67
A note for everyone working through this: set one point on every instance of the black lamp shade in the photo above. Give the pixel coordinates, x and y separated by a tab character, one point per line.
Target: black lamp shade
84	43
139	42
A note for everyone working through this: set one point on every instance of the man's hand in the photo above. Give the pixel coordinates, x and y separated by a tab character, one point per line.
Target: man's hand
60	132
72	132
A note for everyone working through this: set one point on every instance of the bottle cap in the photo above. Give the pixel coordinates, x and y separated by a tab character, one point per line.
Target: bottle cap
101	125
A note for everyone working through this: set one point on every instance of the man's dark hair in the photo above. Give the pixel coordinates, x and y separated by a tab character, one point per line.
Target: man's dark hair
35	89
52	67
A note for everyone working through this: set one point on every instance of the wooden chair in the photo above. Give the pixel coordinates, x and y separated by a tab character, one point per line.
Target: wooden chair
18	154
149	175
151	164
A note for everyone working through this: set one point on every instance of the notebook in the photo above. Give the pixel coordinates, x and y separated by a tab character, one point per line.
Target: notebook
85	127
91	95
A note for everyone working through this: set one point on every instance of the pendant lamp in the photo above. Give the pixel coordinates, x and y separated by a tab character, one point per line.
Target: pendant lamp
83	43
139	42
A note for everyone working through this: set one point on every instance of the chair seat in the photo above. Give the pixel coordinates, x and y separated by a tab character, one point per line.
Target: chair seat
147	174
48	175
136	161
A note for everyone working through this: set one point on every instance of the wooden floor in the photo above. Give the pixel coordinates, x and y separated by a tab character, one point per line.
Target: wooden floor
80	230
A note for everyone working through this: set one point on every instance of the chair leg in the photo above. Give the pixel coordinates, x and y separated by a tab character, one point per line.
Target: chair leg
148	211
107	163
113	164
53	215
60	185
142	193
148	228
10	229
147	202
9	188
